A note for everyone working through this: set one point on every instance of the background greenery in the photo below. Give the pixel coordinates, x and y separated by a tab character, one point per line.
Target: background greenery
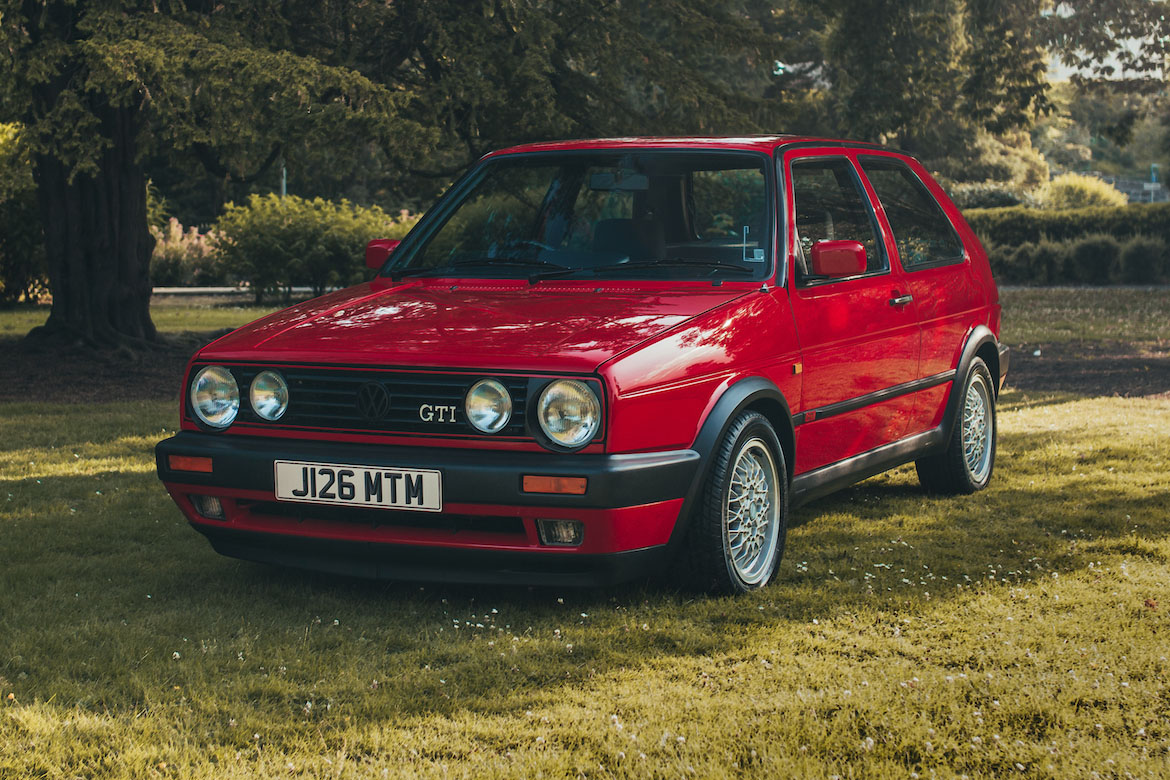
382	104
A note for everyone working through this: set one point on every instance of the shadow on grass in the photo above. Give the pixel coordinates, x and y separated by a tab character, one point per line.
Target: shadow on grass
115	603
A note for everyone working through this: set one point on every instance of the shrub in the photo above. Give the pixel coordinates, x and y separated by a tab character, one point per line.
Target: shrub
1015	226
273	242
1050	262
1143	259
185	258
1075	191
988	194
1095	259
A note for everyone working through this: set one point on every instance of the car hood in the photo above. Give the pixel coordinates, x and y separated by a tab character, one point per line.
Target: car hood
497	324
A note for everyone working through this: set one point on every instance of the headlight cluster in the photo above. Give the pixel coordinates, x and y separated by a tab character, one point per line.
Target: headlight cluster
215	396
567	410
488	405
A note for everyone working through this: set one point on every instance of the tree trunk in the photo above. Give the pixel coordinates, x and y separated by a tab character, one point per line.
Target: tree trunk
97	244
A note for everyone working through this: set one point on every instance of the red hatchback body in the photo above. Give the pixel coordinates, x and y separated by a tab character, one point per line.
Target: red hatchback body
594	357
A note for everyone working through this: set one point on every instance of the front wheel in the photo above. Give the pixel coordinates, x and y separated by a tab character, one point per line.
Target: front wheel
738	536
966	464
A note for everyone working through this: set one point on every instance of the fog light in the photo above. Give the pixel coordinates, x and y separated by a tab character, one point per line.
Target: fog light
564	533
208	506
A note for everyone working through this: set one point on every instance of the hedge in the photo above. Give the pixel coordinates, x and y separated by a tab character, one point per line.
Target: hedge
273	242
1102	245
1018	225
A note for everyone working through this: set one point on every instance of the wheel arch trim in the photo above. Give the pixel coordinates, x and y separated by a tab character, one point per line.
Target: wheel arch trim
753	392
981	342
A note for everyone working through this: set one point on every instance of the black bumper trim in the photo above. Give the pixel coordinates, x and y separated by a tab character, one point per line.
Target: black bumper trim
469	476
1005	361
372	560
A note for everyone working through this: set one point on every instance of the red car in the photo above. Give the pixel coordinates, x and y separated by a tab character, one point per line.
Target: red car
594	358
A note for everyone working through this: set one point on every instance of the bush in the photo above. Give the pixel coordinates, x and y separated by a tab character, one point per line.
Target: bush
1015	226
1095	259
185	258
273	242
1050	262
1143	259
988	194
1075	191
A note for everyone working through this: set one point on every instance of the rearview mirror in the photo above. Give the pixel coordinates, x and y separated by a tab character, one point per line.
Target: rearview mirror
622	181
838	259
378	250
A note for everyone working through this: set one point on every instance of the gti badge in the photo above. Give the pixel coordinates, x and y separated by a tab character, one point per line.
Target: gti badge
433	413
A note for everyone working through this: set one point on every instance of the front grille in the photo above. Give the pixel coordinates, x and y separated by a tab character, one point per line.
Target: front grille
329	398
386	517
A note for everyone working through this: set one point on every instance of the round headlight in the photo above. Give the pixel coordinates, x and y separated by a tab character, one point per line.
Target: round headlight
488	406
569	412
215	396
269	395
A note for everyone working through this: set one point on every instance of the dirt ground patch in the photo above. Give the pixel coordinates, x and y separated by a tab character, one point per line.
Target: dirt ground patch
1095	368
81	376
78	375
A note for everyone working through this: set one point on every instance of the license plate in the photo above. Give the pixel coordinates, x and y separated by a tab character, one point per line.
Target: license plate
418	490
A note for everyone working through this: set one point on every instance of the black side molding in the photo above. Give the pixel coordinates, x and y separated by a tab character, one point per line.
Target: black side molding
828	479
861	401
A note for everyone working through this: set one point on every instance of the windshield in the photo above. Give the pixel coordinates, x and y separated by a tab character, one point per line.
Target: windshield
652	215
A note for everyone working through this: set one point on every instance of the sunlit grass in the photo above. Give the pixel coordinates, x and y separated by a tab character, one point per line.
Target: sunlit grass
168	318
1022	626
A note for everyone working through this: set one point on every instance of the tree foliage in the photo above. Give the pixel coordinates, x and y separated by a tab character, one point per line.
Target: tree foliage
398	97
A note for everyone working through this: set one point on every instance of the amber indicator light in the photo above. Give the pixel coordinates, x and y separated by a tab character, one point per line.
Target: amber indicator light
574	486
189	463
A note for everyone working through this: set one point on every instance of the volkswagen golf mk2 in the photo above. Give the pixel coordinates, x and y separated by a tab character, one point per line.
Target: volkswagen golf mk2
594	358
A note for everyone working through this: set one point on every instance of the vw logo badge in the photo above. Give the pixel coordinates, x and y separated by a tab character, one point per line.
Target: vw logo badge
373	401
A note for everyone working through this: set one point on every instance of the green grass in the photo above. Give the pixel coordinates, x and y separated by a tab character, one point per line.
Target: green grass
1022	631
1044	315
171	317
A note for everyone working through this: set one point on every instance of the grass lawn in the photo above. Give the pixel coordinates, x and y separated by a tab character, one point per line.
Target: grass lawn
1021	632
170	317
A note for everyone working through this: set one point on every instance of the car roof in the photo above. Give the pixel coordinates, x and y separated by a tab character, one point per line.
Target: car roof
760	143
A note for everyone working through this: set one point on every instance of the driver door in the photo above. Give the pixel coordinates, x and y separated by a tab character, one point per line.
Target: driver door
859	334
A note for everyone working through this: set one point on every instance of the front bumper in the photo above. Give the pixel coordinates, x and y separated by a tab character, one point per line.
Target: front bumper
486	532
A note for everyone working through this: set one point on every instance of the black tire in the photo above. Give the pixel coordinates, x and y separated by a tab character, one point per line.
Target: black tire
718	564
967	463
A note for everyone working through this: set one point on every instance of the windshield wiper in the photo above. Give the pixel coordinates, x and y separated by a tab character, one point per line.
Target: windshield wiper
483	261
688	262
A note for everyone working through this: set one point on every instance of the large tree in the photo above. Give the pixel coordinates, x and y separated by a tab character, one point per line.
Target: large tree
99	84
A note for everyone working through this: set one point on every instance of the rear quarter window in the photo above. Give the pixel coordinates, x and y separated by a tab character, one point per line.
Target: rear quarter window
924	236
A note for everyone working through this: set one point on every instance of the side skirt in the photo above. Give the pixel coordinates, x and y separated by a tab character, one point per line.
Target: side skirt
827	479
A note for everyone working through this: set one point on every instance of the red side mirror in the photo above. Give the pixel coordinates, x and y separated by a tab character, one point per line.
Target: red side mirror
378	250
838	258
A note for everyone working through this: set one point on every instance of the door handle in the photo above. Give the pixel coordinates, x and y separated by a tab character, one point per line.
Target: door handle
901	300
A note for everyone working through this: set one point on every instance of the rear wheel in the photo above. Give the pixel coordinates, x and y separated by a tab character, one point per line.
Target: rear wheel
965	466
738	536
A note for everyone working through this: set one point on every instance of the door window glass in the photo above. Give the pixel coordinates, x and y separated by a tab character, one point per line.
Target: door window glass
922	232
830	206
